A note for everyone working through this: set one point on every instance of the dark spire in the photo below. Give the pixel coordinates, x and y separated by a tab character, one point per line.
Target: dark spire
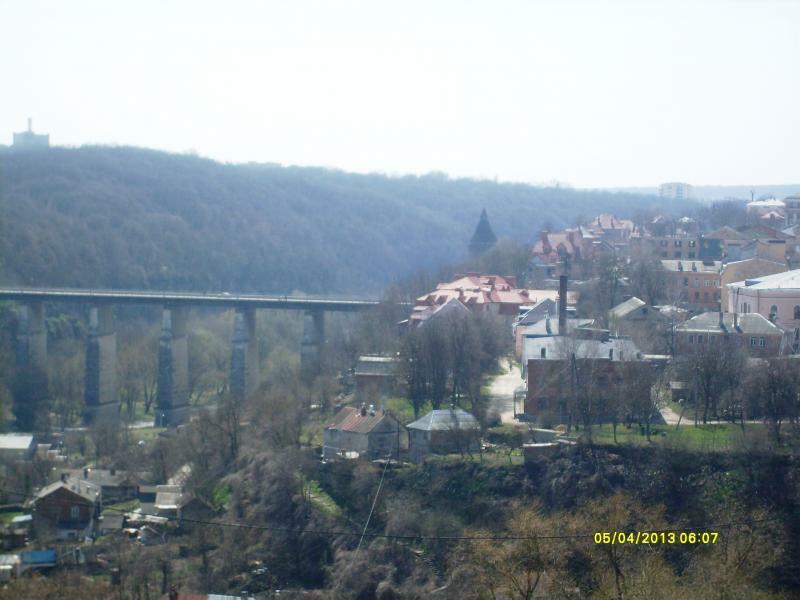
483	238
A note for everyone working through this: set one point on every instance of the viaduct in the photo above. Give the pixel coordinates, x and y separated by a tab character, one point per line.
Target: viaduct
172	397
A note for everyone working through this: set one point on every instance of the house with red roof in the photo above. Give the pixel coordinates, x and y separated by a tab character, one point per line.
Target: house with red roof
368	432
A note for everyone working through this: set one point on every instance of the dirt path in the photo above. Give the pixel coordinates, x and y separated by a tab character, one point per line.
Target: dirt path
501	391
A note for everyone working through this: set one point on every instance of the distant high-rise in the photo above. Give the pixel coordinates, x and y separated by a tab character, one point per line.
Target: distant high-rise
675	190
483	238
27	140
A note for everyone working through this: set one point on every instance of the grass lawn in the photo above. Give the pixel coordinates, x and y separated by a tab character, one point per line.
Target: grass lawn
321	500
711	438
127	506
5	518
402	409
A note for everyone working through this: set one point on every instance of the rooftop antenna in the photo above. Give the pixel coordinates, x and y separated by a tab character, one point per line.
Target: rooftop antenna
30	125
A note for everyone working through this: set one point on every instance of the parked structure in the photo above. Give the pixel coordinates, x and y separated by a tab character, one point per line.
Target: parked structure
371	433
445	431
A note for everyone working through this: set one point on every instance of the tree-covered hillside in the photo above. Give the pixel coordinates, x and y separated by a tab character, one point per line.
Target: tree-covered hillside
134	218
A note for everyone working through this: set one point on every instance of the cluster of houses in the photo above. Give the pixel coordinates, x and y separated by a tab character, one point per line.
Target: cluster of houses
731	284
86	503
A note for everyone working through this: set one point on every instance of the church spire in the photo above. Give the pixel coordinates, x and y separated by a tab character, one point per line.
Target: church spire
483	238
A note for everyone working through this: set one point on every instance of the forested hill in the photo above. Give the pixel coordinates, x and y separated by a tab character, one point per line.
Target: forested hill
134	218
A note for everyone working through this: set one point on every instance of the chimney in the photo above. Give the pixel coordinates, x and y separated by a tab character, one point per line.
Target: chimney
736	321
547	323
721	320
562	305
363	410
63	478
86	473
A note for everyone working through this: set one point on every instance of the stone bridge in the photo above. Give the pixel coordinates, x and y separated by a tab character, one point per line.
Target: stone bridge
172	400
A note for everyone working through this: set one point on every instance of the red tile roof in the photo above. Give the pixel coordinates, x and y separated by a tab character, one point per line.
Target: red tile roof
351	419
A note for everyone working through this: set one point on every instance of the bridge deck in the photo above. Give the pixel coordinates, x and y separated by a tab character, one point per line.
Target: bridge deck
222	299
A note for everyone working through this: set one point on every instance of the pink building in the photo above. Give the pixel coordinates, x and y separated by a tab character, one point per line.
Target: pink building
776	297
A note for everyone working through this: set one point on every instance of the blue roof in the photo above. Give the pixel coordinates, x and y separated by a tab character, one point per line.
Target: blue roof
37	557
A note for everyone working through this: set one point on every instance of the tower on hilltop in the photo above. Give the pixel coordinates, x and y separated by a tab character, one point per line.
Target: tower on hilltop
484	238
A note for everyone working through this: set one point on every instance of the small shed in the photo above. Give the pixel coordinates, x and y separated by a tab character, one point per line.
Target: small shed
375	376
372	433
446	431
17	446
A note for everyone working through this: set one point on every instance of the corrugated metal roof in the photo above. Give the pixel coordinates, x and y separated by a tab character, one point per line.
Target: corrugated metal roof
446	420
350	419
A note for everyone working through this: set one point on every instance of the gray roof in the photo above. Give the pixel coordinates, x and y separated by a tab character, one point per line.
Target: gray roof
445	420
540	327
86	490
16	441
103	477
170	497
693	266
749	323
625	308
559	347
375	365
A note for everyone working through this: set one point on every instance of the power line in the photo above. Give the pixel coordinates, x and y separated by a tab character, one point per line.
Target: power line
450	538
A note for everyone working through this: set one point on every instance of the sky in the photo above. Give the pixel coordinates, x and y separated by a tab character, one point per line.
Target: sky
588	94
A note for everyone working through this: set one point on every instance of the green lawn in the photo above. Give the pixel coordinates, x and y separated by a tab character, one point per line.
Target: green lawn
402	409
5	518
128	506
709	438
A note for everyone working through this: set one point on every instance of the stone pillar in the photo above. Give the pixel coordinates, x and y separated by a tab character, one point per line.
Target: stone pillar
245	360
32	337
311	349
100	391
172	394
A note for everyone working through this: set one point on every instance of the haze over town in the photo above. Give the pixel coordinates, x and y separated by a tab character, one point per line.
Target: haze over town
589	94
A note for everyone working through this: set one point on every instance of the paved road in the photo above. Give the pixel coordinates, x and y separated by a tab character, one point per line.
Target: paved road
501	392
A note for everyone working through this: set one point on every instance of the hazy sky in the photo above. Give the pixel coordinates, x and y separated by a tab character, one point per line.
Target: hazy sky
586	93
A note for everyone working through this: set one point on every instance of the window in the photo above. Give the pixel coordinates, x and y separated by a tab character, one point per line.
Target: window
544	353
691	254
691	339
705	296
692	244
75	512
677	254
663	242
762	342
753	341
611	354
697	296
700	339
797	312
685	282
678	243
696	282
707	283
773	312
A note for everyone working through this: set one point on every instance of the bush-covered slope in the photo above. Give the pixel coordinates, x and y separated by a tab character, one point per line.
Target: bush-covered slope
135	218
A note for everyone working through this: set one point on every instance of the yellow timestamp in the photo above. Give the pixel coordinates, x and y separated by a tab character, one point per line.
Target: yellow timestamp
633	538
